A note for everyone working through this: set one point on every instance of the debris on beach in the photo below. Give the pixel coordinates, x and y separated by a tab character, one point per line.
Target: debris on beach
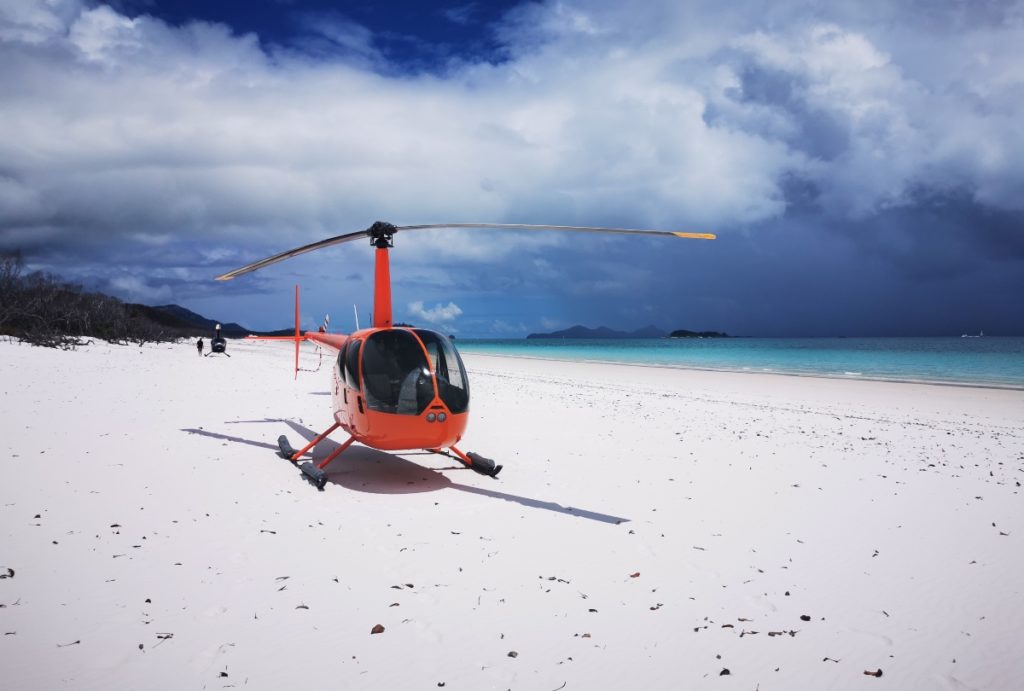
721	569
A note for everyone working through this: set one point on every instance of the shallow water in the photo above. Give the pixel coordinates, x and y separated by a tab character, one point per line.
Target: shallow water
989	360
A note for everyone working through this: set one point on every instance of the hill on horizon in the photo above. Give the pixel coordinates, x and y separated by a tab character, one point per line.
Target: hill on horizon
176	316
580	331
194	320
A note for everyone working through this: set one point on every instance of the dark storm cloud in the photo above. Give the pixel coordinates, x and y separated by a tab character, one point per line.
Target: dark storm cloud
816	132
881	140
942	236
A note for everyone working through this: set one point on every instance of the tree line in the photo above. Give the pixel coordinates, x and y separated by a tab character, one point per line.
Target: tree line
41	309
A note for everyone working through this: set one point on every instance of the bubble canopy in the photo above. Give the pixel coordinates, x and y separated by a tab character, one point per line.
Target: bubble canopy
400	368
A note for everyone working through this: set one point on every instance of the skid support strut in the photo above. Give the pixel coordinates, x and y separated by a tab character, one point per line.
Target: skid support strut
315	472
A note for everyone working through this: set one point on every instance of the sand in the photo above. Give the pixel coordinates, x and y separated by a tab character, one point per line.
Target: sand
652	528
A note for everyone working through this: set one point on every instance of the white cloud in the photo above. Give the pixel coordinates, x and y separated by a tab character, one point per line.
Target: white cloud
33	22
461	14
438	314
663	115
502	328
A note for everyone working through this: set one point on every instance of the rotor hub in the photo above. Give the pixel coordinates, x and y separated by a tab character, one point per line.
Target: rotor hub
382	234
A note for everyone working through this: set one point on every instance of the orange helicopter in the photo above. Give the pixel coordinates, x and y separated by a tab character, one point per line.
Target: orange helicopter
397	388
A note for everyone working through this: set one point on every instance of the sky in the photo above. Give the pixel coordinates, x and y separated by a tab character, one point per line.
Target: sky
862	163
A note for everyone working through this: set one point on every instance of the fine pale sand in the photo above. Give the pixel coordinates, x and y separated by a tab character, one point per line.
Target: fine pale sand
652	528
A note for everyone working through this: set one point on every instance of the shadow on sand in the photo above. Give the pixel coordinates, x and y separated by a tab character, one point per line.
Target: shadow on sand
363	469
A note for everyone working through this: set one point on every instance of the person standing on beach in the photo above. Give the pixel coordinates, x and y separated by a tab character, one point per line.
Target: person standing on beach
199	347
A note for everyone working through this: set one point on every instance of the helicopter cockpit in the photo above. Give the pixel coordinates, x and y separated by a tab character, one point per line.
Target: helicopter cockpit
217	343
399	368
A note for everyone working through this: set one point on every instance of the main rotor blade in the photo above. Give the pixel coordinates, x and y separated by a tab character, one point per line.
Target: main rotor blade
369	232
336	240
582	229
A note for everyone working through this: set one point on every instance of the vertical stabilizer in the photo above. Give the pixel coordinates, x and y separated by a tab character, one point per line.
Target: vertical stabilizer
298	337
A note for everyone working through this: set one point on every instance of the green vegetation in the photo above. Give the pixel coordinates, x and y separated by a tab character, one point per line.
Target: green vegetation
40	309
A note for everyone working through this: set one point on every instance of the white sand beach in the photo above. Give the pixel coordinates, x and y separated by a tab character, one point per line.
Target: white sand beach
653	528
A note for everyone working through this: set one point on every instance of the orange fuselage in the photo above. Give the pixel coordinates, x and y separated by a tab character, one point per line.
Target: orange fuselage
427	429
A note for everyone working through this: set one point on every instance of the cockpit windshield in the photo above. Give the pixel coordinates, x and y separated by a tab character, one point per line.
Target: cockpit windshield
396	377
452	383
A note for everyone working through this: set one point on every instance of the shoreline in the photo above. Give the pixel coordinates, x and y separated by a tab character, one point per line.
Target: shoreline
968	384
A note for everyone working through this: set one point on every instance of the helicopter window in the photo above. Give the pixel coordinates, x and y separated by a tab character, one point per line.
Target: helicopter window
352	365
452	384
341	360
395	373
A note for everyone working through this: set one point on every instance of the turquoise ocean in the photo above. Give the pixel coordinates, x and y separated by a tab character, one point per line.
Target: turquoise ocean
988	360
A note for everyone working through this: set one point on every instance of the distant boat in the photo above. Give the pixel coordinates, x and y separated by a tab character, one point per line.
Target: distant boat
978	335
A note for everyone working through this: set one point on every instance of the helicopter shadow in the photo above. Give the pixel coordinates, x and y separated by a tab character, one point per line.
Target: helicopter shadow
363	469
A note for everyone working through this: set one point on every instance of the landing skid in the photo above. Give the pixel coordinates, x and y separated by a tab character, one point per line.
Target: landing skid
483	465
287	452
317	474
313	471
473	461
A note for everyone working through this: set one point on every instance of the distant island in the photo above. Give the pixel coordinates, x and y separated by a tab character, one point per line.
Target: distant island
683	333
603	332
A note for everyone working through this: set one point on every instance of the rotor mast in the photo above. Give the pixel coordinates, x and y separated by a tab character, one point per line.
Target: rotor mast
382	237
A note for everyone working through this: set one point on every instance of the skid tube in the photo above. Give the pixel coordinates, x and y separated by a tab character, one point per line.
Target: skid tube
473	461
314	471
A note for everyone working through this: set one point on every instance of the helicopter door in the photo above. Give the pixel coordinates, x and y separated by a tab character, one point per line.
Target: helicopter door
353	398
339	393
396	377
452	383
